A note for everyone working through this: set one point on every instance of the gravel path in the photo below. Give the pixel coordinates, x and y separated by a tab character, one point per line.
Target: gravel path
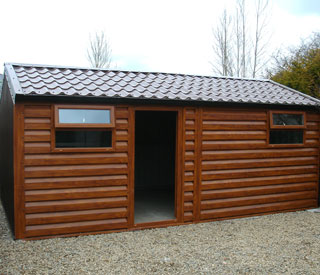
283	243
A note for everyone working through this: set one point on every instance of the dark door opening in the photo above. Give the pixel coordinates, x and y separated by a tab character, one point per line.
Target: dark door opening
155	147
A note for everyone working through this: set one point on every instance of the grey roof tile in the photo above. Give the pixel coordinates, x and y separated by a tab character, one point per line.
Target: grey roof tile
53	80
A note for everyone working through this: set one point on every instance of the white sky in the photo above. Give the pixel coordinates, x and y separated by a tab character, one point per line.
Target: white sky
168	36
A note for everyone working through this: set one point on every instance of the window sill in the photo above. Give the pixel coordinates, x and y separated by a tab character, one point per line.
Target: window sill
81	150
286	145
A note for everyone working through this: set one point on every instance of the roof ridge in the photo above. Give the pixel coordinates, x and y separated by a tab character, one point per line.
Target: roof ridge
295	91
132	71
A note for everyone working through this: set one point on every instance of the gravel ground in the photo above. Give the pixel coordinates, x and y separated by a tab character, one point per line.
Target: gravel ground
283	243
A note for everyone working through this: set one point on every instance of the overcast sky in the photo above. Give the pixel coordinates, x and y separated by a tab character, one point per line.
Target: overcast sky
167	36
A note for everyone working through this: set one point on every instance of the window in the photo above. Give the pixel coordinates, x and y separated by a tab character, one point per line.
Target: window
287	128
286	137
287	120
84	116
83	139
83	127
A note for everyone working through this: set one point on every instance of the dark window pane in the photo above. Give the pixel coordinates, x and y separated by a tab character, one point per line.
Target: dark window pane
287	119
83	139
84	116
286	137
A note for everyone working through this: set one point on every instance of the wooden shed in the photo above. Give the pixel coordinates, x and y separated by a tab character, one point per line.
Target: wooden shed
89	151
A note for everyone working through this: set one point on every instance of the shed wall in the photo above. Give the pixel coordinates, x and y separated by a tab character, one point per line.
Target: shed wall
240	174
229	171
72	192
191	164
6	153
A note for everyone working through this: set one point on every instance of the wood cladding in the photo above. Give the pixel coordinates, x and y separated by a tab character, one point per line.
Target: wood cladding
241	175
189	176
227	170
72	192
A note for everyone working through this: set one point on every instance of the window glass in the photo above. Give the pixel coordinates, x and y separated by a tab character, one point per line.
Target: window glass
83	138
286	137
287	119
82	116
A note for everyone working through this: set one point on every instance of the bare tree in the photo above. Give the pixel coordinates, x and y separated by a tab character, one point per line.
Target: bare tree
99	51
222	46
245	51
243	31
260	44
238	37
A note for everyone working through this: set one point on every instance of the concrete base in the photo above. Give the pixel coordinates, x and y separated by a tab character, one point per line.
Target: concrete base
151	206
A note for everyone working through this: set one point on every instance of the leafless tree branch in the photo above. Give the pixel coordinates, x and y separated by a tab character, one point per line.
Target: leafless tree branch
99	51
222	46
241	42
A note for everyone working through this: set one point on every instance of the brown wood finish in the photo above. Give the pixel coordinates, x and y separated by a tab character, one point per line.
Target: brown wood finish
224	169
76	158
185	165
70	205
75	193
131	152
161	225
179	166
75	227
75	190
242	201
242	175
256	209
72	216
190	166
198	143
70	182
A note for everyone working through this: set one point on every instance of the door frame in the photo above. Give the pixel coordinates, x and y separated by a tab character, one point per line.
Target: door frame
178	166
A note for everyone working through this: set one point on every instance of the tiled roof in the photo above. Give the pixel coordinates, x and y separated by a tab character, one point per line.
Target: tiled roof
52	80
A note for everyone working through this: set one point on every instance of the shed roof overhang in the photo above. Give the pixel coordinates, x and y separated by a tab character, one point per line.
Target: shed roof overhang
57	83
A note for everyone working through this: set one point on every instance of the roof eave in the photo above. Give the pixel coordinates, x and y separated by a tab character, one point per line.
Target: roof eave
317	101
12	80
52	98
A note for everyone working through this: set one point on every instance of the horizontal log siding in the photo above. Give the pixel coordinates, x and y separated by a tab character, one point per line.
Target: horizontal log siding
228	171
189	176
73	192
241	175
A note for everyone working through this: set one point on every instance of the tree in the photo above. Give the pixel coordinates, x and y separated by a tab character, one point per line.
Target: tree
222	46
246	43
99	51
299	67
242	34
259	43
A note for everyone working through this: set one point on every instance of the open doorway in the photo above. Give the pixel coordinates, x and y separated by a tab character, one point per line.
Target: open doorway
155	147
